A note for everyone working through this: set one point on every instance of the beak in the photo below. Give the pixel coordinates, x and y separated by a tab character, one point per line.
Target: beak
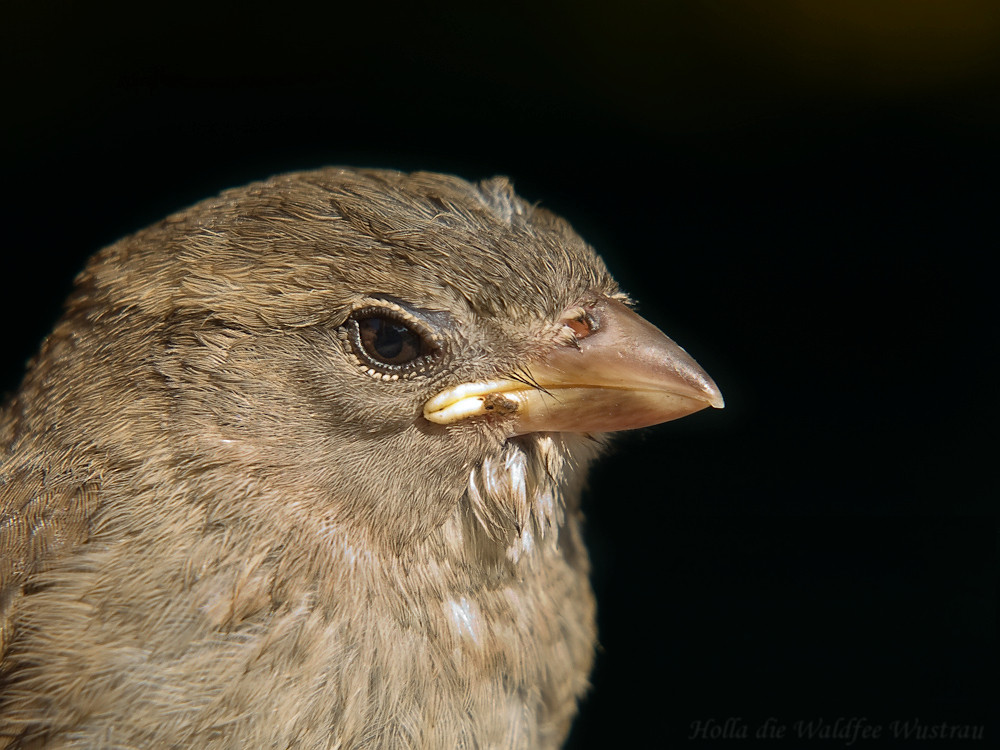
622	373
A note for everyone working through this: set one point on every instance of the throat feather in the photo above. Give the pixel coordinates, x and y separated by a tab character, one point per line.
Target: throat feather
520	495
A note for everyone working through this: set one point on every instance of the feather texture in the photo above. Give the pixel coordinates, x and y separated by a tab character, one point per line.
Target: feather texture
220	528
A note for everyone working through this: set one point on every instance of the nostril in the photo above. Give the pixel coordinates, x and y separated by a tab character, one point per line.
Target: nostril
580	327
579	321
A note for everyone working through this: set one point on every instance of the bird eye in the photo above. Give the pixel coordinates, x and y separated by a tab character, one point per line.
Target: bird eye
388	344
387	341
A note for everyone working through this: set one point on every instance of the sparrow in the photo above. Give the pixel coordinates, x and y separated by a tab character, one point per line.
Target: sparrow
301	466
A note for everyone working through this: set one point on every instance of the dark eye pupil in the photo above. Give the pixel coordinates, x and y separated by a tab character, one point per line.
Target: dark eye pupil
388	341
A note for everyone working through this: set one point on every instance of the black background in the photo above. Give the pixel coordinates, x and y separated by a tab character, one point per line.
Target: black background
802	194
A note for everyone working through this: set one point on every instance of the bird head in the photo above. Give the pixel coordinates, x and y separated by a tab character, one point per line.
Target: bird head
363	355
